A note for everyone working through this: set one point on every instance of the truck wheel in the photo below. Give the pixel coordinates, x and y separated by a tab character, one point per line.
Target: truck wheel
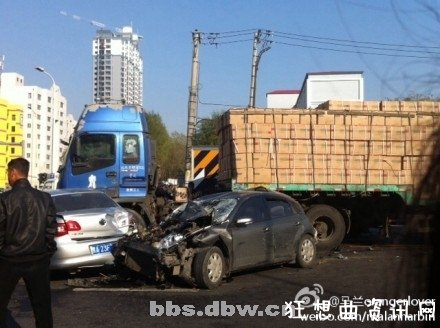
306	253
329	224
209	268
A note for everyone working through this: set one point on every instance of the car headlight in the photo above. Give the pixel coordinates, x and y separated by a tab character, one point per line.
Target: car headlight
122	218
170	240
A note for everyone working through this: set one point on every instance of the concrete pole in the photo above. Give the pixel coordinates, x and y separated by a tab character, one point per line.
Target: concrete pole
192	104
261	45
253	89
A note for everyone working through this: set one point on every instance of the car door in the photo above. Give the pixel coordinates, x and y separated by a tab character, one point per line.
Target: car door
284	225
251	240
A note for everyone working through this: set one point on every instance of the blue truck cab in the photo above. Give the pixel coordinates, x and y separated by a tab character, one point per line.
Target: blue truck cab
111	150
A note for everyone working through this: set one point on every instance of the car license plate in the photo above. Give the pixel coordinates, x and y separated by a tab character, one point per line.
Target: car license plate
101	248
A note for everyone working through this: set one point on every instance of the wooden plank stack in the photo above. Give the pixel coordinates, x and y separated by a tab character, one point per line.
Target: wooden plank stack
340	142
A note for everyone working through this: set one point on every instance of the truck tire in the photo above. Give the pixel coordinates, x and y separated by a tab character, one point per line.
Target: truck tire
329	224
209	268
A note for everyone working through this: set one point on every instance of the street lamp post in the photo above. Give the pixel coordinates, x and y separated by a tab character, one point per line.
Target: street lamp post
52	156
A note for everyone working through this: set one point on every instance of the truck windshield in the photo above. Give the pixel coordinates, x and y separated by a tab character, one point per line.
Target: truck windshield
92	152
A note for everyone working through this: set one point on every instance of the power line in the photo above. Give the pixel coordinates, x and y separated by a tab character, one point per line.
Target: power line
220	36
252	30
218	104
352	46
359	42
326	40
225	42
356	45
212	38
354	51
360	45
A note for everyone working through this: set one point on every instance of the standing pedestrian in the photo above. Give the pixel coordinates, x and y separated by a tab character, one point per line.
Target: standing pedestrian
27	231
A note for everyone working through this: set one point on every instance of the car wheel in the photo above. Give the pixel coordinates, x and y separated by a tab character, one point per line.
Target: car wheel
306	253
209	268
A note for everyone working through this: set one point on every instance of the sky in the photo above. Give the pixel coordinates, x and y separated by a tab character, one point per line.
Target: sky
305	37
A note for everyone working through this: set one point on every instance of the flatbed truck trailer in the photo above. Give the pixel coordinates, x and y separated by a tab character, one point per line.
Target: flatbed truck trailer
352	165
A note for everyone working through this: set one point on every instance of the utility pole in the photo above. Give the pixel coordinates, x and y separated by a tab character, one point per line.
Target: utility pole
192	104
257	52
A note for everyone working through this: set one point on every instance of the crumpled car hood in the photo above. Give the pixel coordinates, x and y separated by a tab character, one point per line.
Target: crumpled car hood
185	220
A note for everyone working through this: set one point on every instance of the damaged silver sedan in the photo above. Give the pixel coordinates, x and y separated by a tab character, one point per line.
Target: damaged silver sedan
207	239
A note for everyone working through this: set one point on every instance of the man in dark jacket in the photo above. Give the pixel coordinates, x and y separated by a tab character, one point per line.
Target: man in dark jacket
27	231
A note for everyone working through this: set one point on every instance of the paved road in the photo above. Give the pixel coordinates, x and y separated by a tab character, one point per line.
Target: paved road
356	271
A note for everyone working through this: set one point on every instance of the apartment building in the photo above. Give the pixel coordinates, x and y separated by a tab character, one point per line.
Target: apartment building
45	125
11	137
117	66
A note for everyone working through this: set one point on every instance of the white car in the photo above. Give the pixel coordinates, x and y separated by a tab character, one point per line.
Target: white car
49	184
89	225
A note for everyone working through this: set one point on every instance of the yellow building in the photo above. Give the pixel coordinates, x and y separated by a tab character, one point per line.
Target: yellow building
11	137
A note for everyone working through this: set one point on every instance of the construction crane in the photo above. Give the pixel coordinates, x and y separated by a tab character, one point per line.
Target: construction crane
92	22
2	63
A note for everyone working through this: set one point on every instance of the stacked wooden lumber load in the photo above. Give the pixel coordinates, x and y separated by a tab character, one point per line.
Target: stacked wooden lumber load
340	142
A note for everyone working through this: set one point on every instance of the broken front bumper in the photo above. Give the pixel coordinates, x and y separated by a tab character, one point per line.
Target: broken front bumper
139	257
153	263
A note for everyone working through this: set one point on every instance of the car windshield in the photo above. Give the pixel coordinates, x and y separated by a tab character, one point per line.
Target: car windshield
218	208
186	212
82	201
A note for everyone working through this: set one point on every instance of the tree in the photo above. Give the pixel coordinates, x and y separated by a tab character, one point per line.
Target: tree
419	97
170	150
206	131
176	167
161	138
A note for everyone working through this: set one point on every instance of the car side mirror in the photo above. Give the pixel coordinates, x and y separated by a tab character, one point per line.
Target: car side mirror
244	221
